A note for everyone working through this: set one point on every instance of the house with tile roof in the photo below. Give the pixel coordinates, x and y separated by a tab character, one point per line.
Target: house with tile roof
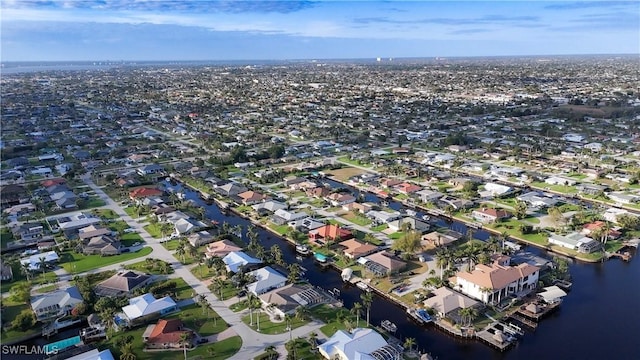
144	192
446	301
328	233
166	334
383	263
221	248
122	284
354	249
251	197
487	215
494	282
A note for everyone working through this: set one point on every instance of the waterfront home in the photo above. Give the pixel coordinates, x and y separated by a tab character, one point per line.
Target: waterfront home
445	301
269	206
383	217
93	354
494	282
55	304
456	203
427	195
200	238
166	334
363	208
591	189
147	305
28	232
318	192
575	241
13	195
410	222
34	261
560	180
305	225
537	200
282	216
267	279
221	248
382	263
354	249
407	188
123	283
327	234
360	343
612	214
339	199
236	259
622	198
389	182
488	215
286	299
252	197
144	192
187	226
492	189
438	239
230	189
590	228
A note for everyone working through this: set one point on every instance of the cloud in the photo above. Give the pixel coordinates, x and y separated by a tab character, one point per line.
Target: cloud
192	6
483	20
469	31
590	5
599	22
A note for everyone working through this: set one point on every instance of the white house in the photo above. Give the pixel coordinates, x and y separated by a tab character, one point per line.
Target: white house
623	198
234	260
560	180
611	214
575	241
147	304
359	344
573	137
267	279
57	303
33	262
493	189
492	283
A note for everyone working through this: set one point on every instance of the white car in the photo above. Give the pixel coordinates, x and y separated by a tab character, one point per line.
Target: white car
129	230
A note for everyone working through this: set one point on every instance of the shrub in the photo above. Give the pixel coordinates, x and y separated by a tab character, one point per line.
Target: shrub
24	321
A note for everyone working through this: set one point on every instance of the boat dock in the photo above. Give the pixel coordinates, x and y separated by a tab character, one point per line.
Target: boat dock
495	338
465	333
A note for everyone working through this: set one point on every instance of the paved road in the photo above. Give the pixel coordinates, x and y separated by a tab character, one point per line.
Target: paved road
253	343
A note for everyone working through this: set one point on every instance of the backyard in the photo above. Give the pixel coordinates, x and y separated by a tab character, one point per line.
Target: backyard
78	263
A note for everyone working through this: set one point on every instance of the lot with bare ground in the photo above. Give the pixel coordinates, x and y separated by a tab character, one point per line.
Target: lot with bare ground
345	173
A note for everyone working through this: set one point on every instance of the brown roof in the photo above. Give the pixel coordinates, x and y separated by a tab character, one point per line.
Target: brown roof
167	332
496	276
222	248
144	192
124	282
93	231
356	249
387	260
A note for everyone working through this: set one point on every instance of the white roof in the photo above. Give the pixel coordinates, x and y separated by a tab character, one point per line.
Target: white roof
355	345
290	216
94	354
552	293
145	305
34	260
236	259
266	278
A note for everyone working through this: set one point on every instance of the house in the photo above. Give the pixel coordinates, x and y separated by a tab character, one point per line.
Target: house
269	206
383	217
328	233
187	226
237	259
292	180
93	231
103	245
446	301
20	210
287	298
612	214
537	200
166	334
591	189
252	197
340	199
362	208
282	216
74	221
6	272
267	279
221	248
354	249
55	304
456	203
230	189
122	284
359	344
411	223
149	170
622	198
319	192
494	282
200	238
389	183
407	188
305	225
437	239
93	354
575	241
144	192
28	232
560	180
34	261
147	305
589	229
383	263
494	190
13	195
489	215
427	196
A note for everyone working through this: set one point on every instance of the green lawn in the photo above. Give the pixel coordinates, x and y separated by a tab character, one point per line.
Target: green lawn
130	239
154	230
557	188
10	311
183	290
239	306
356	219
380	227
77	263
91	202
150	266
171	245
328	315
47	288
228	291
118	226
37	278
280	229
202	272
106	214
203	323
396	235
271	328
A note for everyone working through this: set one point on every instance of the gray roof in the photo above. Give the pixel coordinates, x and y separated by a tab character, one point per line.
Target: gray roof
67	297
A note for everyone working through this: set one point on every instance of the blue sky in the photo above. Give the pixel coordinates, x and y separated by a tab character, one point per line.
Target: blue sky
39	30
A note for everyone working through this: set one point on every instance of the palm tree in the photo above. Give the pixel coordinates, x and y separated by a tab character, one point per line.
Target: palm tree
409	343
287	318
487	290
42	264
24	269
237	230
201	260
443	259
357	310
181	251
218	284
164	229
313	339
367	301
276	253
202	300
184	340
302	312
226	227
127	352
261	253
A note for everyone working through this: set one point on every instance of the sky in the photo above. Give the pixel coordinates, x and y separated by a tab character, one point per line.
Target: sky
90	30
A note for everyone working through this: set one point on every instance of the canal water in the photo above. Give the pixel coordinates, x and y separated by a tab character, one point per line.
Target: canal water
598	319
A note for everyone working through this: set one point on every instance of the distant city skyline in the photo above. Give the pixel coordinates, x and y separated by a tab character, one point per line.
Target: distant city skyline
38	30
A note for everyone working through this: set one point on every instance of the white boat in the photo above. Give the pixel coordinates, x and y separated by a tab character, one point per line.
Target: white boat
363	286
411	212
346	274
302	249
389	326
426	217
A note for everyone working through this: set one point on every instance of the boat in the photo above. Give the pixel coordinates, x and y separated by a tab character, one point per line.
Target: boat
411	212
389	326
346	274
563	284
363	286
426	217
302	249
320	258
420	315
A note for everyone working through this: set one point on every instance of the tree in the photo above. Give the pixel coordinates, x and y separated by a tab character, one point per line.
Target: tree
367	301
628	221
294	272
261	253
42	264
521	210
443	260
408	244
410	343
302	312
218	285
276	254
357	310
204	304
24	320
184	340
469	314
287	319
164	229
181	251
556	215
